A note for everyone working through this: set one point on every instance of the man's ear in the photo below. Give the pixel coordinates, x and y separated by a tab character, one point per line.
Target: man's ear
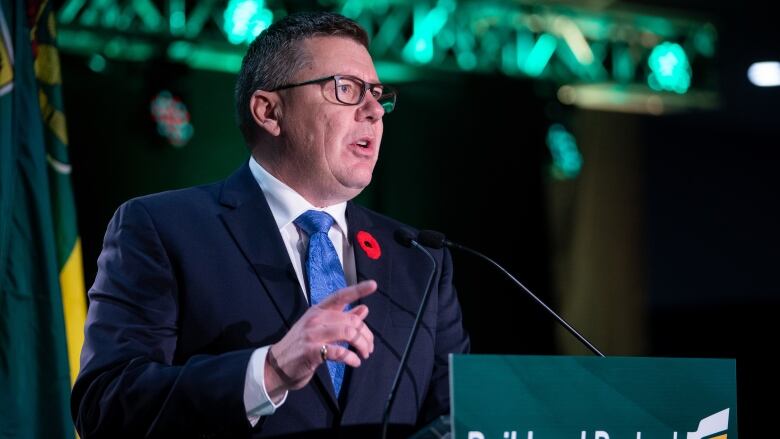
264	106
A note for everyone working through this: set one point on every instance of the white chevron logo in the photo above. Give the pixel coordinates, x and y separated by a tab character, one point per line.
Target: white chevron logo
713	424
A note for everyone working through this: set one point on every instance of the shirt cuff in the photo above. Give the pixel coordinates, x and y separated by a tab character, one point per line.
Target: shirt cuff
256	400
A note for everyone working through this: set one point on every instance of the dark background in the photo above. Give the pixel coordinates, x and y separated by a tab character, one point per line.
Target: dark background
465	154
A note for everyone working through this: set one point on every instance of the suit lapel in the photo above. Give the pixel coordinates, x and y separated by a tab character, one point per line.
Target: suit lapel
255	232
378	269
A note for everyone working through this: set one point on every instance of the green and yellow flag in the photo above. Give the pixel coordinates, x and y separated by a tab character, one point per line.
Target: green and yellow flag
42	300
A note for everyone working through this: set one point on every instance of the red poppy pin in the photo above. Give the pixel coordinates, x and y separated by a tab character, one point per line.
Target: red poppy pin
369	244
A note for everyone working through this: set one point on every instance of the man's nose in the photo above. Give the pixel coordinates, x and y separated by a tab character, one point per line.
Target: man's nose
370	109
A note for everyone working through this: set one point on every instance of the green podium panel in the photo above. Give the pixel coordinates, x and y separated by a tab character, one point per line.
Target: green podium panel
560	397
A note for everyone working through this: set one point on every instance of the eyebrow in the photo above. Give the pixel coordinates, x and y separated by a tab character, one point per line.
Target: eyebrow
372	81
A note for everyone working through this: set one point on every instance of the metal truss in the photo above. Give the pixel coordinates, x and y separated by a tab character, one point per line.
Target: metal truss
602	47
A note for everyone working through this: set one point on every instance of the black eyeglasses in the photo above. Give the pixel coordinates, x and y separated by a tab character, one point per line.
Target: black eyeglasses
351	90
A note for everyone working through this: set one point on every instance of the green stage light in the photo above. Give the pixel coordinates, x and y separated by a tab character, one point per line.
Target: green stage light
540	55
97	63
704	40
395	72
179	50
427	24
131	50
567	160
245	19
420	50
622	64
352	8
670	69
148	13
176	19
467	60
199	57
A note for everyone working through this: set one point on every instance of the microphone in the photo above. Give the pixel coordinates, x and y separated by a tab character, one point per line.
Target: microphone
433	239
405	238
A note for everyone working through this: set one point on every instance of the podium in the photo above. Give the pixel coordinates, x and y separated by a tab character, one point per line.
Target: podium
569	397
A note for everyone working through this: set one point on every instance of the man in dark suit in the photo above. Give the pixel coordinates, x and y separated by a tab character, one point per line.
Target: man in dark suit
223	310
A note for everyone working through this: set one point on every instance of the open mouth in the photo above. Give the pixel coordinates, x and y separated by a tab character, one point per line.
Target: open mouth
363	144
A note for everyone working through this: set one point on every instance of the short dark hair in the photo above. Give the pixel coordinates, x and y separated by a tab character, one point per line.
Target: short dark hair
277	54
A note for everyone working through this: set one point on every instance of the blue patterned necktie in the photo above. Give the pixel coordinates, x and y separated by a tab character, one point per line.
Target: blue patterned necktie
323	271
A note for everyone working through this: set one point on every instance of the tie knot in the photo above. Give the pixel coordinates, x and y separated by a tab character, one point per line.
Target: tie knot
313	221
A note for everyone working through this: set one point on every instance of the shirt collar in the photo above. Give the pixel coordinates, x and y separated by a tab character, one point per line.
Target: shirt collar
286	204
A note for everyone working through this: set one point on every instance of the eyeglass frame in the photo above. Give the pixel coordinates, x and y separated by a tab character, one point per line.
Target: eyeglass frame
335	78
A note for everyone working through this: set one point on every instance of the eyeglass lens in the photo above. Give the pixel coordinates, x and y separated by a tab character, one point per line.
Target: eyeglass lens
350	90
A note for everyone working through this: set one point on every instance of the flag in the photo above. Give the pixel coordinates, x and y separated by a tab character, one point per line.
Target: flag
42	300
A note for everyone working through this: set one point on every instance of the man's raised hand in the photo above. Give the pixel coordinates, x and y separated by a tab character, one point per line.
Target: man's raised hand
292	361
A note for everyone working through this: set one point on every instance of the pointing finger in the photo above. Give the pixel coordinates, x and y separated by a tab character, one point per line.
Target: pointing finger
348	295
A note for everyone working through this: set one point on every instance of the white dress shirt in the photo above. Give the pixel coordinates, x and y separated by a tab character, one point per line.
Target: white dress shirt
286	205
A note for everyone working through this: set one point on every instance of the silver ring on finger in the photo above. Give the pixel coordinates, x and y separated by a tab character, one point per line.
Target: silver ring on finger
324	352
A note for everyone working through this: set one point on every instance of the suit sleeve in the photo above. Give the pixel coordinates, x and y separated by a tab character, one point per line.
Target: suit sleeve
128	385
451	337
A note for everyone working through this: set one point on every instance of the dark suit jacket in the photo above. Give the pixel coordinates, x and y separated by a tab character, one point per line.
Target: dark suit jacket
190	282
